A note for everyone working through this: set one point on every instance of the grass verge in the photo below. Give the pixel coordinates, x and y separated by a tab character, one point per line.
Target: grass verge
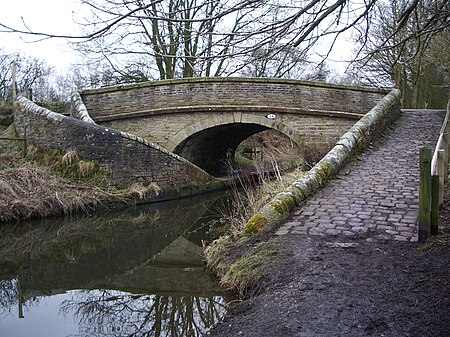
238	258
240	261
51	182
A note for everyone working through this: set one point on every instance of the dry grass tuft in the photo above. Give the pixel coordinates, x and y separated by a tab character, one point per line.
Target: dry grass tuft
86	168
70	158
141	191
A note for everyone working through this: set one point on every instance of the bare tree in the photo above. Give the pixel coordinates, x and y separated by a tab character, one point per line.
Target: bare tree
29	71
276	61
6	60
211	37
178	38
419	66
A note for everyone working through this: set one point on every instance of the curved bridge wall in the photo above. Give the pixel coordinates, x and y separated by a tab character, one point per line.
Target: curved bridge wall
171	113
129	158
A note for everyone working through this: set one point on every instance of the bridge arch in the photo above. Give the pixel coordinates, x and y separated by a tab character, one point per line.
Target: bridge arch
175	114
211	142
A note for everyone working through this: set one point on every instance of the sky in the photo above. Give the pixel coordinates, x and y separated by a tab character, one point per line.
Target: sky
58	17
49	16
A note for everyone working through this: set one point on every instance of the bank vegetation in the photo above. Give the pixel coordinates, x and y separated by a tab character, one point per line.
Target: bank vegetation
36	182
240	256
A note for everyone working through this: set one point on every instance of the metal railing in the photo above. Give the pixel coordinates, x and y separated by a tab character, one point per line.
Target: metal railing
433	175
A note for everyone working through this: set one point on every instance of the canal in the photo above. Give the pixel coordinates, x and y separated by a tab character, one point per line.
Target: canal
130	272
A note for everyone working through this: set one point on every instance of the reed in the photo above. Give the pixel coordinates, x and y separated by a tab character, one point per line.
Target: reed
249	195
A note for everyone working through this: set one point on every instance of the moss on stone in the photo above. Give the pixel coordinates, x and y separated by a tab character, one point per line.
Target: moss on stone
325	170
255	224
302	185
296	193
283	203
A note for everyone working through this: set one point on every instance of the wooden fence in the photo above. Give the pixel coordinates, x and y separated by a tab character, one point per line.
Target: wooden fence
433	175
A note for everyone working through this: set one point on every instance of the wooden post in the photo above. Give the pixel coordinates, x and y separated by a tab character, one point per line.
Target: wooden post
13	71
447	143
434	212
442	173
424	193
445	146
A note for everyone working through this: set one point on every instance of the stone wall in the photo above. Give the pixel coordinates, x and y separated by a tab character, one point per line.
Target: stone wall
161	96
128	158
201	119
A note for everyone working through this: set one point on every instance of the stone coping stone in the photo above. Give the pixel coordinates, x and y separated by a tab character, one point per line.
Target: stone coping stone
231	79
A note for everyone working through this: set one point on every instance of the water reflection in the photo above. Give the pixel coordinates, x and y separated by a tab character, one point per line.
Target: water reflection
109	312
137	272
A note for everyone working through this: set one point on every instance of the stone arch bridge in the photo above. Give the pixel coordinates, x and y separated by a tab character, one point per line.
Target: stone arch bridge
205	119
177	133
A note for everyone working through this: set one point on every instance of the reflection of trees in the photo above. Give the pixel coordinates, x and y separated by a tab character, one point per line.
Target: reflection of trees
110	313
11	296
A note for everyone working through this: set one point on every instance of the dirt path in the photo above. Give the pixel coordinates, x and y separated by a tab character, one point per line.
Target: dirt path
351	266
373	289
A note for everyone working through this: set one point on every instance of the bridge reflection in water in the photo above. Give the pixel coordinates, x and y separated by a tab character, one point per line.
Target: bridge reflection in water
134	272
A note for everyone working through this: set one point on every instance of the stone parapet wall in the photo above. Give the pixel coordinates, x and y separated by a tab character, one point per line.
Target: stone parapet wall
129	158
160	96
79	110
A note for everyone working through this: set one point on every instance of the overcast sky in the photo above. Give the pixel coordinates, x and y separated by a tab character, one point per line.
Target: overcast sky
58	17
49	16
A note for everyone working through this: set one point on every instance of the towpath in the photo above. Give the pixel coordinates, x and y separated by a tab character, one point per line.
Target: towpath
350	264
378	198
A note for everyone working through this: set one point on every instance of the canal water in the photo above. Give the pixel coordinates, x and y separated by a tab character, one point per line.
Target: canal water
130	272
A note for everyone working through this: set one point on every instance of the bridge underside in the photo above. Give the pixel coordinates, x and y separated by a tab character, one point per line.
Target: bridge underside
213	149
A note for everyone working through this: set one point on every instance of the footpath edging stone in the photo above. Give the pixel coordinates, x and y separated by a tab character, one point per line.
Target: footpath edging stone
367	128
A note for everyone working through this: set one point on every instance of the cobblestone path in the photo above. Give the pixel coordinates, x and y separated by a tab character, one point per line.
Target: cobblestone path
377	196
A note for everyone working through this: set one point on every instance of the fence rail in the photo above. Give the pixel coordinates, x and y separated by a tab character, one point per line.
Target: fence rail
433	175
23	140
7	138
